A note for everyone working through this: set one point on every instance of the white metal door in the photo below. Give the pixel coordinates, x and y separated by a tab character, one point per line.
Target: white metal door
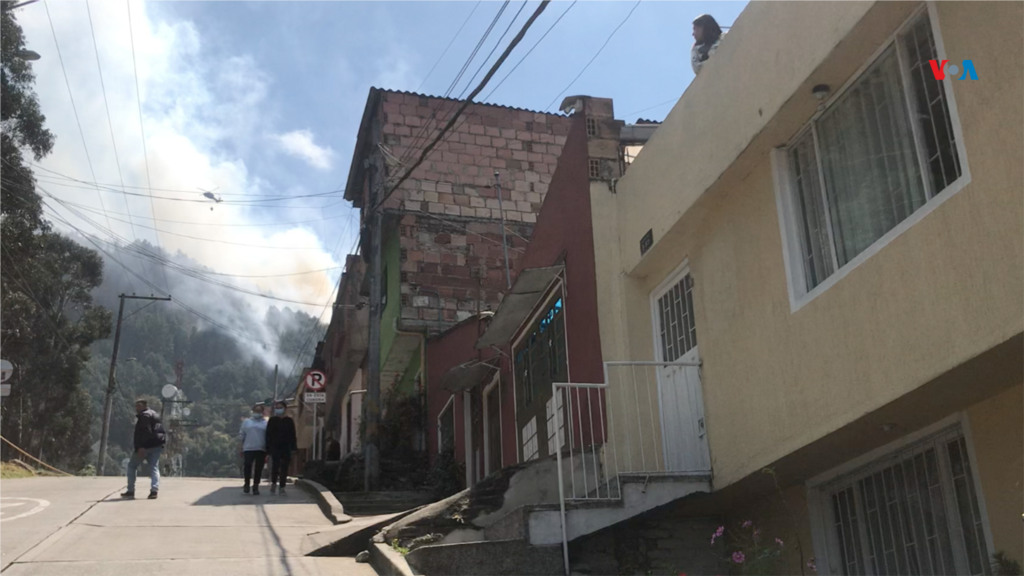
684	436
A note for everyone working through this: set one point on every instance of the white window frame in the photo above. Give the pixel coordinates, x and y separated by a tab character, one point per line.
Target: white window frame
816	486
789	222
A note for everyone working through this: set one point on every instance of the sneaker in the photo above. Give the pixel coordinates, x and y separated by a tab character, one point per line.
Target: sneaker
129	495
152	495
281	490
255	490
273	489
245	488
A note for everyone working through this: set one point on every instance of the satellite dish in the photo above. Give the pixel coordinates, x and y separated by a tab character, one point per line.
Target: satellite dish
187	411
169	391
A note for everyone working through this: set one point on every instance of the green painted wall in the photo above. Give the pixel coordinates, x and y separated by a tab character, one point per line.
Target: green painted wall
391	273
407	385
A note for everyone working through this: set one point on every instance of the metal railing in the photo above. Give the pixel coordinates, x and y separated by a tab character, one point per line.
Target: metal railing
645	418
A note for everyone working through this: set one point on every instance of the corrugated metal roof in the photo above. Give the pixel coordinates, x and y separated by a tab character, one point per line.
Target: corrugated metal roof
421	95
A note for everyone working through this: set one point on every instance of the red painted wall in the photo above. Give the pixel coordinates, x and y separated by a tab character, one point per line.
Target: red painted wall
564	227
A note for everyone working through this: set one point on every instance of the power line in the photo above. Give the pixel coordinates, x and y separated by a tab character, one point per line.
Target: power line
74	108
670	101
267	225
441	57
142	127
110	123
493	90
424	129
496	44
191	272
501	59
182	191
601	49
217	241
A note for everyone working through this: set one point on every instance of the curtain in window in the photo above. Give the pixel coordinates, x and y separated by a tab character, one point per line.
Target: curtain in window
871	170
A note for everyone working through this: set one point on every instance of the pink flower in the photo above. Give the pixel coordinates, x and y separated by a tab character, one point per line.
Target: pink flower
738	557
720	531
812	565
748	524
779	542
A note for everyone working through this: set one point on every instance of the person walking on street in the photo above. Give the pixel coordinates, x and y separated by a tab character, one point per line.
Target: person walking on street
253	437
281	442
149	442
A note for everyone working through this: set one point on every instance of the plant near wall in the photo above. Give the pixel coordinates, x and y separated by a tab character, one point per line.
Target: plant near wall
747	550
794	520
1003	565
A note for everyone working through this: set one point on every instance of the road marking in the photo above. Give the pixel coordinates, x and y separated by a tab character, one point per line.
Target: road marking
40	505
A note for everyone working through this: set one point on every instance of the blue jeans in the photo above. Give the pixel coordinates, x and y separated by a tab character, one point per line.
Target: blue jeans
152	455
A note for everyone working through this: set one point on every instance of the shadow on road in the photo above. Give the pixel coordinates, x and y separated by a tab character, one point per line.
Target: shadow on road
233	496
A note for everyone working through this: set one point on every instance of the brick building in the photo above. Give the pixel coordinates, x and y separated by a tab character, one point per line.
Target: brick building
442	254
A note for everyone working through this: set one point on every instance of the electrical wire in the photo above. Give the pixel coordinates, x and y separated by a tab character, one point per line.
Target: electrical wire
110	122
267	225
494	68
74	108
142	127
601	49
670	101
541	39
441	57
495	47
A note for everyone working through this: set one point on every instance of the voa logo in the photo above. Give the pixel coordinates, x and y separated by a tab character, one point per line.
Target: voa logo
940	69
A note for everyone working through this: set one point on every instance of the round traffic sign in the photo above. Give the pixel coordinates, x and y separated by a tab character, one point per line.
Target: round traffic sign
6	369
315	380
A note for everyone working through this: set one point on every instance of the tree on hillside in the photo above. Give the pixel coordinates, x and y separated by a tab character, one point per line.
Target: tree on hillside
49	319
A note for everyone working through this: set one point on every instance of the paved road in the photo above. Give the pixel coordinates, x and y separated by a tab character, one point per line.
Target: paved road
198	526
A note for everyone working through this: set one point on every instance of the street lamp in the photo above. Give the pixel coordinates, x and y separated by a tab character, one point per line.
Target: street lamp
29	55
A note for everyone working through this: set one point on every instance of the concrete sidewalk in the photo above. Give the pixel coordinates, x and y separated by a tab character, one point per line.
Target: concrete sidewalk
197	526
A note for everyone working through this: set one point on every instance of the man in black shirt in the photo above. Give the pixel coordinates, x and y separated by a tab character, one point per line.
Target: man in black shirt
281	442
150	440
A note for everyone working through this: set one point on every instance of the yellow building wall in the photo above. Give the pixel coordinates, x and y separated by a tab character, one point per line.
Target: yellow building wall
943	292
997	434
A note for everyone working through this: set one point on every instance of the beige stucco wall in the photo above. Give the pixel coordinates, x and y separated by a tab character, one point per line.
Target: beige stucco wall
941	293
997	434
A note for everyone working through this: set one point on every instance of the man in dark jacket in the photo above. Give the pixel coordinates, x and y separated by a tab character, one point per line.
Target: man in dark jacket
281	443
149	443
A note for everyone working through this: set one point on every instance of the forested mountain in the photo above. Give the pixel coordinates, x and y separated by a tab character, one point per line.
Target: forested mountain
225	367
59	296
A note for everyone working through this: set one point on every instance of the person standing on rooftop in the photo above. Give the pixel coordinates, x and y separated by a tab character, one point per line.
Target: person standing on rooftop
706	36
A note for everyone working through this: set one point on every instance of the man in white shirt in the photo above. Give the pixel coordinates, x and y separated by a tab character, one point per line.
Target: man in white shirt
253	438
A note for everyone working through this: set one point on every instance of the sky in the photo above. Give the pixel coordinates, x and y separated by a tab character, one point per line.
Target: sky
260	102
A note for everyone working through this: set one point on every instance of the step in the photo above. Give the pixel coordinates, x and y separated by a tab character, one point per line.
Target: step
487	557
640	493
364	503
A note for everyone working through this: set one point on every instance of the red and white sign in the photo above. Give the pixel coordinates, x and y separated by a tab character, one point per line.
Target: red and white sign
315	381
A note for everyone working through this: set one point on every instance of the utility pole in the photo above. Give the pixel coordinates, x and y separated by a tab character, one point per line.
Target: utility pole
504	238
108	399
275	386
371	409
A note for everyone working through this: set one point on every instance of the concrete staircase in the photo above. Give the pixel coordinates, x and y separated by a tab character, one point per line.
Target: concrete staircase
527	539
378	503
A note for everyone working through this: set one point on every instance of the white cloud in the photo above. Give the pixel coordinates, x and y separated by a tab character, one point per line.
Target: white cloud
299	143
200	115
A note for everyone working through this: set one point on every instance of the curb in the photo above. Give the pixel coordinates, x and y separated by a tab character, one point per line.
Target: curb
387	562
327	501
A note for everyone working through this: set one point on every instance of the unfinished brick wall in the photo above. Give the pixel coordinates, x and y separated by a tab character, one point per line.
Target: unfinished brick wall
448	274
450	231
457	179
